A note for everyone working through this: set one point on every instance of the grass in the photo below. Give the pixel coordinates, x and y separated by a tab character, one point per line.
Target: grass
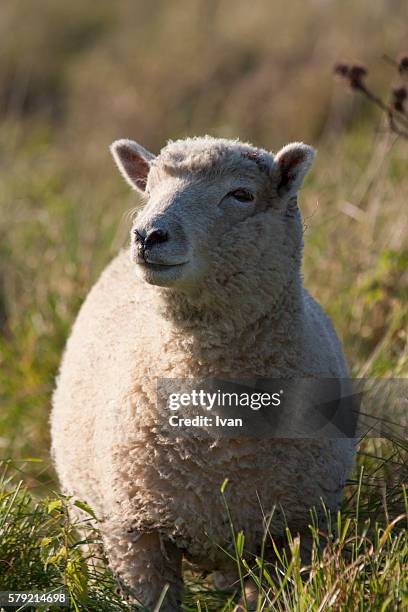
40	548
359	562
77	76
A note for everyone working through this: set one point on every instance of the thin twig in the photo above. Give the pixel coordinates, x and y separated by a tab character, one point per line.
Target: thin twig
395	111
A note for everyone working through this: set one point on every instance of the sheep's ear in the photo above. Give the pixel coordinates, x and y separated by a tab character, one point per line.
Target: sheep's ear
292	163
133	162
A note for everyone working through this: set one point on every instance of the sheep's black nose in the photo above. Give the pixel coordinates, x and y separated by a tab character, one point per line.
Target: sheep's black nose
155	236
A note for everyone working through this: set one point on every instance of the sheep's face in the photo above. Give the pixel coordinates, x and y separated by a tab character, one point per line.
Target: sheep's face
217	212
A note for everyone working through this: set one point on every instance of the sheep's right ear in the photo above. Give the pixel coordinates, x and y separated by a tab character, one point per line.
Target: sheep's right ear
292	163
133	162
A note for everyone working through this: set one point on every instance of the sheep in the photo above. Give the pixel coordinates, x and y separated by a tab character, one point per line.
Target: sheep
212	290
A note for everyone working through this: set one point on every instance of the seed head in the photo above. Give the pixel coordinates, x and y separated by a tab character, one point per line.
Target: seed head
356	75
341	69
403	64
399	95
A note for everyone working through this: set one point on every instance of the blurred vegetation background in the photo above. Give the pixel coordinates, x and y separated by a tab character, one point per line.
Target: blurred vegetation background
76	75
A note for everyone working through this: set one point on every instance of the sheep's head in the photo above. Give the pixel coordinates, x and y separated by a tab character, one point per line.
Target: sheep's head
216	212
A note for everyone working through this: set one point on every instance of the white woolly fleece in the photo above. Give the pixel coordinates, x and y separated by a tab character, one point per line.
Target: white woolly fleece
158	497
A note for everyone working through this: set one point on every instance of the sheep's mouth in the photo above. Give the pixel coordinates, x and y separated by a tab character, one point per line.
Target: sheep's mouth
163	275
160	267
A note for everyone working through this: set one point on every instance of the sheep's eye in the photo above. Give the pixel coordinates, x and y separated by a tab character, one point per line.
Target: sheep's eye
242	195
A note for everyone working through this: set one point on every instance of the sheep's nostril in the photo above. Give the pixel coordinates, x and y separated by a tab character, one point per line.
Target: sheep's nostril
138	236
156	237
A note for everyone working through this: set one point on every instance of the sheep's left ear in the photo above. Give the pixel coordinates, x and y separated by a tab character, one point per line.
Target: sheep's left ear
291	164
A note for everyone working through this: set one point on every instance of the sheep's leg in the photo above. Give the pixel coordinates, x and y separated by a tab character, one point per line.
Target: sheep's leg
250	602
145	564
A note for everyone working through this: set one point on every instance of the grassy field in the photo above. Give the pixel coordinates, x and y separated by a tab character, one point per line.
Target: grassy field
75	76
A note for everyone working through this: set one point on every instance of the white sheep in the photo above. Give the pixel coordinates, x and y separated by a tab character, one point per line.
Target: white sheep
217	293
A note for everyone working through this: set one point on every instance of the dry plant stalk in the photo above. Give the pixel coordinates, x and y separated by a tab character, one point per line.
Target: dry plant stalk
395	110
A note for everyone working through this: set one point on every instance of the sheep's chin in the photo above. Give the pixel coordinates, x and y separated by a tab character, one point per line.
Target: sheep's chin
162	276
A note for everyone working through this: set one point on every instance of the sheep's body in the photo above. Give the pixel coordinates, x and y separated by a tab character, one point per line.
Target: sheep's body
158	496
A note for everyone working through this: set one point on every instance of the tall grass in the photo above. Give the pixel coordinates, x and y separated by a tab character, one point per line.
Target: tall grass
40	548
357	561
